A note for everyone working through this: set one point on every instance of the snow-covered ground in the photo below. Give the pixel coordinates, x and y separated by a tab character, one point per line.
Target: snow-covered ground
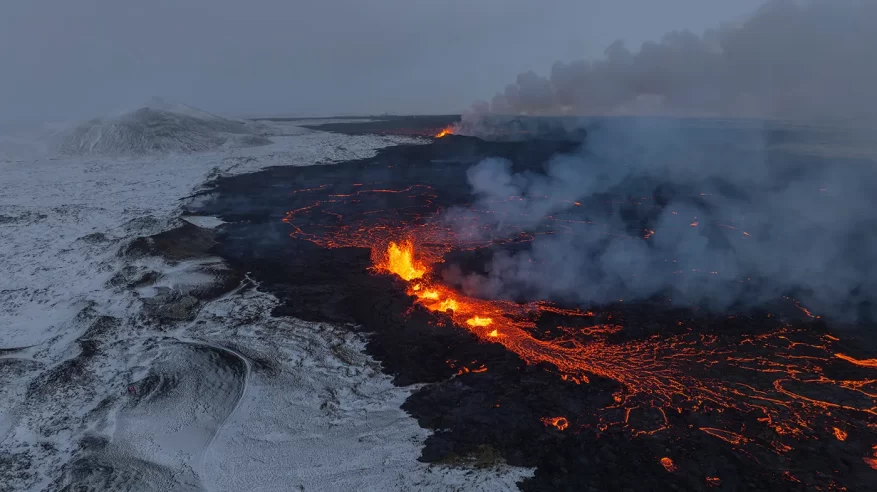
222	396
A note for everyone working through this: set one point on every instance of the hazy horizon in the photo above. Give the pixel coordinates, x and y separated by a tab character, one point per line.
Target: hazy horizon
66	61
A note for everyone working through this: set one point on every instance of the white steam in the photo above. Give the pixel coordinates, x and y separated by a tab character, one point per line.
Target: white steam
743	210
739	216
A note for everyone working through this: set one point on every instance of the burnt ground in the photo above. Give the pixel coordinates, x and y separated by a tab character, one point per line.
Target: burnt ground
498	411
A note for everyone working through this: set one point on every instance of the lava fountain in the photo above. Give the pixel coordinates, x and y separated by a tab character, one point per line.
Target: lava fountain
448	130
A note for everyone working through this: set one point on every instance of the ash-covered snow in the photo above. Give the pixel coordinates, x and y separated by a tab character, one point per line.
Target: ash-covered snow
223	396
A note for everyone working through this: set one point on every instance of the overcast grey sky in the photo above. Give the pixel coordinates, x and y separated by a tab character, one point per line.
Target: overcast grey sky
63	59
802	60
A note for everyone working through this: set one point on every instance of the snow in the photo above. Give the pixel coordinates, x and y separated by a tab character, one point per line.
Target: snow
203	222
228	399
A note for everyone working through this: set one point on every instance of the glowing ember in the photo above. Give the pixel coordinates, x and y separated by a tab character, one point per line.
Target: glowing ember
791	478
561	423
714	481
448	130
493	334
840	434
668	464
872	460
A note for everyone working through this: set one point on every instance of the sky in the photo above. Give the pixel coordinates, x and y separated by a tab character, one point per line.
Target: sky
61	59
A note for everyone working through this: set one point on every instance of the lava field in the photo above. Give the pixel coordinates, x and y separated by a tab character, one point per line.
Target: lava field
628	395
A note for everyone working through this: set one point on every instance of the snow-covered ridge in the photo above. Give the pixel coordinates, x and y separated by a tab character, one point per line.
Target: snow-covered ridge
158	129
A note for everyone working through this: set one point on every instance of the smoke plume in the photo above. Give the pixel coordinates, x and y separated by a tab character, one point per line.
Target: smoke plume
702	212
724	213
792	60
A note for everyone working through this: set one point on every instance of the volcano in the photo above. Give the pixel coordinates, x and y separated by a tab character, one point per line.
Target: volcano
626	395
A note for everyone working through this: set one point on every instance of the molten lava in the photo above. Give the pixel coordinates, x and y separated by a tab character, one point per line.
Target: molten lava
789	384
448	130
561	423
399	259
872	363
668	464
479	321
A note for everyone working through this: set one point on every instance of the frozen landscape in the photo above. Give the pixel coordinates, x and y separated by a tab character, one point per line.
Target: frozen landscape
129	367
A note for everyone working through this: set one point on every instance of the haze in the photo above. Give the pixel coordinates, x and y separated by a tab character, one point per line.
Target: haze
74	60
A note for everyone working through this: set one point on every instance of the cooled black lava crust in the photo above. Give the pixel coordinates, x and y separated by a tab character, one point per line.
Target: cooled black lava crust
500	410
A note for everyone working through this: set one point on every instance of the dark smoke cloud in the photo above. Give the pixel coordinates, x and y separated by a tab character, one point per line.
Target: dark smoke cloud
791	59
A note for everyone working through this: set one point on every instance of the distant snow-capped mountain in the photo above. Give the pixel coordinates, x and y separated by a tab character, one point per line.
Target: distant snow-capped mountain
159	127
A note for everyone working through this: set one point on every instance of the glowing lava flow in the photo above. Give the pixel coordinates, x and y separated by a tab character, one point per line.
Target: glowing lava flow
487	319
872	363
661	374
767	389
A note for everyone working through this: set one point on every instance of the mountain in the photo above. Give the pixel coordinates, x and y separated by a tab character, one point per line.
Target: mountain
158	128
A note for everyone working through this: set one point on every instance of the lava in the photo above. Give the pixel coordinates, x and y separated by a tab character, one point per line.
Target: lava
561	423
872	363
653	371
871	460
448	130
399	259
668	464
478	321
784	382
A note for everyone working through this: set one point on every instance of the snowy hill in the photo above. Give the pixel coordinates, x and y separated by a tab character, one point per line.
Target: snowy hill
158	129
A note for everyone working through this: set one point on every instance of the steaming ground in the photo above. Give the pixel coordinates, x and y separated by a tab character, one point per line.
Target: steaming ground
762	209
223	395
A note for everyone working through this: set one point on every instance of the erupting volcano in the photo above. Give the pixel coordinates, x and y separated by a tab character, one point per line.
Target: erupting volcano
743	400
